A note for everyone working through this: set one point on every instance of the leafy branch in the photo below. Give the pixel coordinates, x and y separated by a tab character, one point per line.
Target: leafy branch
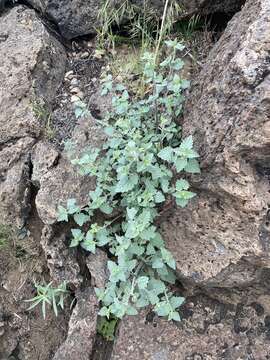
135	174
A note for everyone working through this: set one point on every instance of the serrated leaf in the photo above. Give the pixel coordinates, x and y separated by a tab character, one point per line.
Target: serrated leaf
187	143
176	301
159	197
193	167
106	209
168	258
142	302
153	298
72	208
62	214
156	286
175	316
162	308
157	263
81	219
166	154
142	282
131	213
182	185
180	164
78	236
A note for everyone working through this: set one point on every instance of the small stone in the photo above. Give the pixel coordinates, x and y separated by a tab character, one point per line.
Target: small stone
80	95
85	55
68	75
74	81
75	98
75	90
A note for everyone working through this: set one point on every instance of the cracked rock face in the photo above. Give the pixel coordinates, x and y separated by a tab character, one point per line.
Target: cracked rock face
209	330
222	239
80	17
82	328
32	67
60	259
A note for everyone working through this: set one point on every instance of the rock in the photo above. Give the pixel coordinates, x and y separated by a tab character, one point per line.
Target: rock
59	183
97	266
209	330
222	239
80	17
82	329
32	67
15	182
61	260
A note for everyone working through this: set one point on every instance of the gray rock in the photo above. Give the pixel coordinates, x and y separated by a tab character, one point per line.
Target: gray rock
82	329
32	67
222	238
59	180
97	266
81	17
209	330
60	259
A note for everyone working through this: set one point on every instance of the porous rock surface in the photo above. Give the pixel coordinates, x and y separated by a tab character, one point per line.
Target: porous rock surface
80	17
222	238
31	68
55	176
82	329
60	259
209	330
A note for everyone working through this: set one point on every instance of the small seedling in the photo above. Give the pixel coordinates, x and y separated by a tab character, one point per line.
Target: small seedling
47	295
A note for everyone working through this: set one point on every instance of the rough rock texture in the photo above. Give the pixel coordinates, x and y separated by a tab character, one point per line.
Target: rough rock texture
209	330
57	180
61	260
80	17
82	329
32	67
97	266
222	239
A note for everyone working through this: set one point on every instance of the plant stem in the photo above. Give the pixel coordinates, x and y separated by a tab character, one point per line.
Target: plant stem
161	29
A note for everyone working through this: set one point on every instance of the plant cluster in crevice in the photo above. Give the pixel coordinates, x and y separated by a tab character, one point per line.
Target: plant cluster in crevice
139	168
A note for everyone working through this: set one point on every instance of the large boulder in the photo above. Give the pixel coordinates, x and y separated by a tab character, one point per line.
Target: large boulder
209	330
222	239
81	17
32	67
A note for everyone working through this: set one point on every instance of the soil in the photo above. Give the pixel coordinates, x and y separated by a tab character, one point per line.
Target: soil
24	334
86	71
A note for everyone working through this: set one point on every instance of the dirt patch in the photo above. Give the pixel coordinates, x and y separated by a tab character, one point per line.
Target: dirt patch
81	82
24	334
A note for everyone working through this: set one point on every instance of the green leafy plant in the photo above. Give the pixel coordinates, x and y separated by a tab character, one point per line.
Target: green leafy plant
139	168
106	327
47	295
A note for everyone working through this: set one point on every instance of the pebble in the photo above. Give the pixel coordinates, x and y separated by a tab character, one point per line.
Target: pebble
75	98
85	55
74	81
69	75
75	90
